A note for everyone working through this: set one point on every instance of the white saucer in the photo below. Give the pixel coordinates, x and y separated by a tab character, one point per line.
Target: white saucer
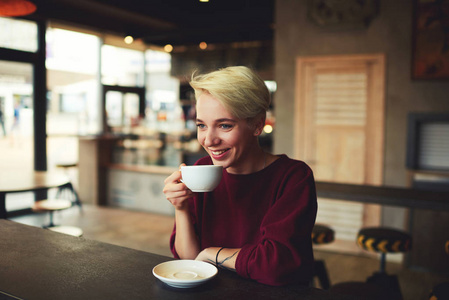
184	273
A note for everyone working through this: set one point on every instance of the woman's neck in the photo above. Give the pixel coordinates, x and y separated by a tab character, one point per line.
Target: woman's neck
254	162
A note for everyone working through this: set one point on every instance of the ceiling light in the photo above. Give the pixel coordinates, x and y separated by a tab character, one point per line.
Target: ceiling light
168	48
203	45
204	0
16	8
128	39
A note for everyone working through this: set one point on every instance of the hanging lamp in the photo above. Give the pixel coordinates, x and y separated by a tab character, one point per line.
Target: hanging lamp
16	8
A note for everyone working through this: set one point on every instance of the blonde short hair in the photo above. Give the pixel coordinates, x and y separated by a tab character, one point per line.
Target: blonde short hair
239	89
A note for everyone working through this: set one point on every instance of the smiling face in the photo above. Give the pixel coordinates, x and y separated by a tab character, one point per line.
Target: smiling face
230	142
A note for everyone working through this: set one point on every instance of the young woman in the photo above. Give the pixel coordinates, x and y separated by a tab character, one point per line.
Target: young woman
259	219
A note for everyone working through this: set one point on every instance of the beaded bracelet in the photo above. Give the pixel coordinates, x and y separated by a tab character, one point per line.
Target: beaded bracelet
216	257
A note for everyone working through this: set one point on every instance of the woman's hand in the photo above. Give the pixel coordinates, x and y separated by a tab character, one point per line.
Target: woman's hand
186	241
175	191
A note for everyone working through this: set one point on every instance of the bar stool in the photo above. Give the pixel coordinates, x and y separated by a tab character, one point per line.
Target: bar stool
380	285
69	186
384	240
441	291
322	234
67	165
51	206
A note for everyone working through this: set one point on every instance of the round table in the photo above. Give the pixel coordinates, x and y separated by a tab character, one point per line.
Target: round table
15	181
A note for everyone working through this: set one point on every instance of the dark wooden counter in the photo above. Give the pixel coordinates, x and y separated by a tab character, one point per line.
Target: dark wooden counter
428	217
383	195
40	264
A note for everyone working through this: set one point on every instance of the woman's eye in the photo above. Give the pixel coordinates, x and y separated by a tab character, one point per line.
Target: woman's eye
226	126
200	126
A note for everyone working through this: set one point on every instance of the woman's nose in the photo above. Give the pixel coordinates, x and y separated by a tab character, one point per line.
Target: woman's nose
211	138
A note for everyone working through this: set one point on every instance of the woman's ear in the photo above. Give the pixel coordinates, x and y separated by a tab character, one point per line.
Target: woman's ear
258	126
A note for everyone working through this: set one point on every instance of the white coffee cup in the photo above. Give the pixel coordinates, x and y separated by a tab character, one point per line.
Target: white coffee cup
201	178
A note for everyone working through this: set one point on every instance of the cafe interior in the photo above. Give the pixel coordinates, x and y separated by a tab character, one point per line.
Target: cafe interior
97	92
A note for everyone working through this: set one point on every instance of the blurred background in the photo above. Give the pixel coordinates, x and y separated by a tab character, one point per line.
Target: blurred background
359	88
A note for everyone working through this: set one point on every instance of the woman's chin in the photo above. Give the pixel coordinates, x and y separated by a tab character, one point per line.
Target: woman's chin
220	163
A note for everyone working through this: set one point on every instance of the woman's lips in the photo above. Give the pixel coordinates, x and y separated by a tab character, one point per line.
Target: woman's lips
217	154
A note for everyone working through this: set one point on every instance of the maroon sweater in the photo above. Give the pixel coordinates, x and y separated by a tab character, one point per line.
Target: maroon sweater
268	214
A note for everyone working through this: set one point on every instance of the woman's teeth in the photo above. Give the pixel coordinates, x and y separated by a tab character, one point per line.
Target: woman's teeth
218	152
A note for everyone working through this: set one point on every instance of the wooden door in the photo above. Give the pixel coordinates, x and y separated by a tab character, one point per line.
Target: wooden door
339	132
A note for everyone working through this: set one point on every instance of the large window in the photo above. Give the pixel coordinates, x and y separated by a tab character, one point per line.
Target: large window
16	111
139	90
18	34
73	92
16	124
16	95
164	112
72	70
120	66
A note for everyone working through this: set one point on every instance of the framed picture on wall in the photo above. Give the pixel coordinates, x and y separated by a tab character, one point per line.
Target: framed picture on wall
430	39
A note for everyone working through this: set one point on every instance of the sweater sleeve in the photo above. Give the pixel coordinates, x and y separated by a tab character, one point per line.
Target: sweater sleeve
283	254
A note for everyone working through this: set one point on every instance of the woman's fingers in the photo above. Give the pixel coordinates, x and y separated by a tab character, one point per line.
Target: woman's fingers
175	177
178	190
175	191
179	200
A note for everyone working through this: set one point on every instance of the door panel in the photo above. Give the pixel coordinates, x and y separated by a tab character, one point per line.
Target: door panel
339	116
343	146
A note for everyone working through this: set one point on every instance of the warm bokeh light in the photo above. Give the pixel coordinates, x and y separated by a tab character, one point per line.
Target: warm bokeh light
203	45
268	128
16	8
129	39
204	0
168	48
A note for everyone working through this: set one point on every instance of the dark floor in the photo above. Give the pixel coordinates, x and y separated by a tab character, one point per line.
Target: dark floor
151	232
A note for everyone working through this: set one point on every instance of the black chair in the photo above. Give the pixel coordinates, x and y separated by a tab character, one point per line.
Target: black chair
380	285
68	188
67	191
322	234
